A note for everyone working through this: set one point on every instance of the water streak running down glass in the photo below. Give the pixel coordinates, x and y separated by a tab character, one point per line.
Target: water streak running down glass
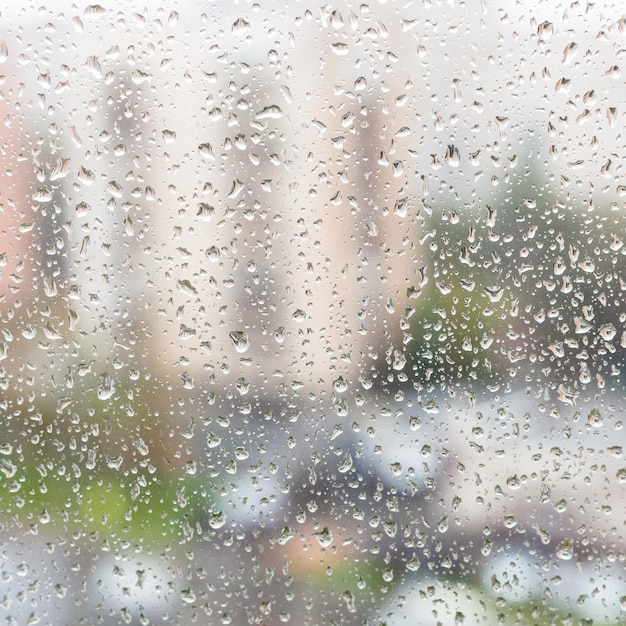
312	314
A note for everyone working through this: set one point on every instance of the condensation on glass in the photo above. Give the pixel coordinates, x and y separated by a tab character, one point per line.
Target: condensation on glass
312	314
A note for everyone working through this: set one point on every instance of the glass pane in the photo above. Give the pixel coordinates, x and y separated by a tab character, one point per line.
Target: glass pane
312	314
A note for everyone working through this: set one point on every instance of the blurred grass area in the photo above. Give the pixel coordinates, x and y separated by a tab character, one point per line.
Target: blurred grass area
115	509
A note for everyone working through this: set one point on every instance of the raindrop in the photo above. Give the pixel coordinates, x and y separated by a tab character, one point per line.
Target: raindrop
205	211
453	156
240	26
272	111
545	30
217	520
106	388
206	151
298	315
240	340
565	550
324	536
346	463
570	52
595	418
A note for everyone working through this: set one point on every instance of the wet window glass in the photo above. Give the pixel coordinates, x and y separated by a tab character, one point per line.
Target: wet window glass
312	313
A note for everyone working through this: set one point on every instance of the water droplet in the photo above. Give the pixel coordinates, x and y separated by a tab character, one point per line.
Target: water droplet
213	440
236	188
299	315
185	286
595	418
273	112
115	462
240	340
60	169
399	360
442	524
346	463
86	176
510	521
340	49
141	446
348	598
138	77
213	254
43	194
607	332
106	388
545	30
615	451
240	26
494	293
413	564
286	535
453	156
513	482
206	151
565	550
611	116
324	536
242	385
217	520
570	52
340	385
395	468
93	65
60	590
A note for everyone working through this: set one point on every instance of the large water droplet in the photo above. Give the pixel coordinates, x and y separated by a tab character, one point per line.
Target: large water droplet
565	550
240	340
